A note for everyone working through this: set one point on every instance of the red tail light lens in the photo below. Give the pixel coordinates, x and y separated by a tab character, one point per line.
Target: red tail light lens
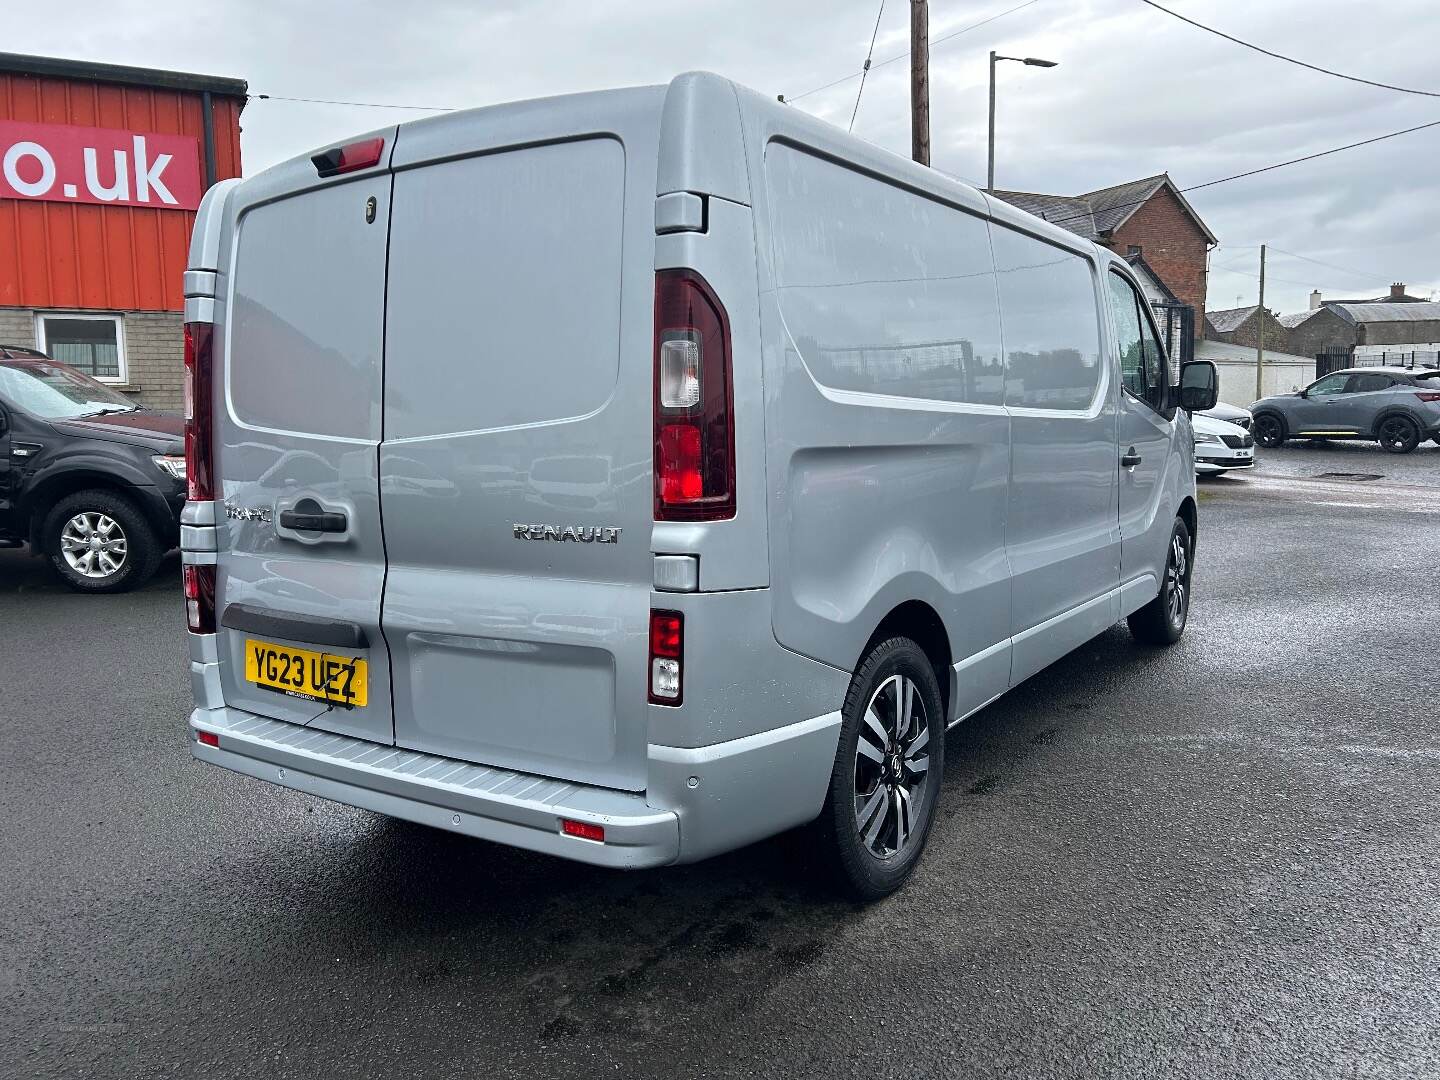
199	582
694	413
352	156
1428	395
583	829
199	404
667	655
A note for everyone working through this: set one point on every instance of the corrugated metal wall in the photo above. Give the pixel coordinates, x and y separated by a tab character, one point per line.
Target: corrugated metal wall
123	258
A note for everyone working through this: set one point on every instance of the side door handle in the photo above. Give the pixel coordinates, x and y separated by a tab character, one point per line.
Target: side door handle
1129	459
323	521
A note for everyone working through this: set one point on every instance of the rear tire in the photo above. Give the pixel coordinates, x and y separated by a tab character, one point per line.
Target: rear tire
1162	620
1398	434
1270	430
99	542
888	769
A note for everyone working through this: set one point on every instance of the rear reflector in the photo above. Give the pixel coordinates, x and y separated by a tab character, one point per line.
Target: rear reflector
583	829
667	655
1428	395
199	407
694	412
348	158
199	582
209	738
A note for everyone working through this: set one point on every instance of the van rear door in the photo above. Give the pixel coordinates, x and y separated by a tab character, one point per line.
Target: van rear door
301	559
516	467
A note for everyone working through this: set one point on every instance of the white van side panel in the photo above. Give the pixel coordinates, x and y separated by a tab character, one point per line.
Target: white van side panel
889	469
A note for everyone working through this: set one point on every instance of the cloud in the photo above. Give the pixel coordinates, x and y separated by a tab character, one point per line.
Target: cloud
1136	93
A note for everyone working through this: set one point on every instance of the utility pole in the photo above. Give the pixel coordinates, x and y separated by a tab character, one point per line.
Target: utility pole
920	81
1260	333
990	157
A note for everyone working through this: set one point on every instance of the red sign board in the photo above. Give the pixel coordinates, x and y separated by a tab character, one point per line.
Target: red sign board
103	166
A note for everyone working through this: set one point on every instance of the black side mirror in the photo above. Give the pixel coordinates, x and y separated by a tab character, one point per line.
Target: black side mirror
1199	386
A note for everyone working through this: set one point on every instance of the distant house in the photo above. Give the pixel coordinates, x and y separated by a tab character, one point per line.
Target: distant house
1244	326
1321	329
1334	326
1147	219
1398	295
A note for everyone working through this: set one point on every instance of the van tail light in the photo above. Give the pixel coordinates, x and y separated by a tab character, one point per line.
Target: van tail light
585	830
361	154
694	402
199	406
1428	395
667	656
199	582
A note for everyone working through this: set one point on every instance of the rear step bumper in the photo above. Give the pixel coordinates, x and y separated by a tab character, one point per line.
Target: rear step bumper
493	804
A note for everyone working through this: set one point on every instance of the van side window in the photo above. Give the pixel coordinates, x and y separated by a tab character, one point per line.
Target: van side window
1052	330
1142	360
882	290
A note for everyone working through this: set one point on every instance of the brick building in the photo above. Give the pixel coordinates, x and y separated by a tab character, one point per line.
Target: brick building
101	170
1149	218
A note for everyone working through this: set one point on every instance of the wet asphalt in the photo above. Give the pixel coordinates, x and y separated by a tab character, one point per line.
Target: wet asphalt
1218	860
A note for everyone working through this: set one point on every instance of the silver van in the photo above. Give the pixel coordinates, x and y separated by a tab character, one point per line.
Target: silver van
630	476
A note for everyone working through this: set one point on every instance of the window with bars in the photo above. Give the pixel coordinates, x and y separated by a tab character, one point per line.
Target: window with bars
90	343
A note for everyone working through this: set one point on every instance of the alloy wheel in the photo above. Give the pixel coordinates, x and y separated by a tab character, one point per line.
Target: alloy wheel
94	544
1267	431
892	767
1397	434
1177	580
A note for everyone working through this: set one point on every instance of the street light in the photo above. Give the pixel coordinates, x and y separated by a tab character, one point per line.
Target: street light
1028	61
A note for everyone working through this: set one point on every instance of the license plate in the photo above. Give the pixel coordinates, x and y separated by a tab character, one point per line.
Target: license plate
316	676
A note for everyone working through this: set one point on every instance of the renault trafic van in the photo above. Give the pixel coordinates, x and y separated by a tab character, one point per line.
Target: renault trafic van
633	475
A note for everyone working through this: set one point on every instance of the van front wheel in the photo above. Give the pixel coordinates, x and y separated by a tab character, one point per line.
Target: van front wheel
1162	620
888	769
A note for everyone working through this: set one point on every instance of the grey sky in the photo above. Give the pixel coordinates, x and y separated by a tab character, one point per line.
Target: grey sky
1136	93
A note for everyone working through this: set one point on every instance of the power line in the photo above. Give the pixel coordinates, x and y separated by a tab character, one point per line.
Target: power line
866	69
1289	59
1262	169
358	104
1321	262
906	55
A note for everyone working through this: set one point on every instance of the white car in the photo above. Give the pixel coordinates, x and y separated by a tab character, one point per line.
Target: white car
1221	446
1231	414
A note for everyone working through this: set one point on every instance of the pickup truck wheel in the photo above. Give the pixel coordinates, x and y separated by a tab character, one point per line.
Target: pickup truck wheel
1162	620
888	768
99	542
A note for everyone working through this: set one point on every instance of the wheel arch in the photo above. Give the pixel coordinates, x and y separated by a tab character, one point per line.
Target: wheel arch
1397	410
1190	514
917	620
59	485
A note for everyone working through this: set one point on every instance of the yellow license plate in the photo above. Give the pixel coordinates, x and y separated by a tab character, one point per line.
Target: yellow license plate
338	680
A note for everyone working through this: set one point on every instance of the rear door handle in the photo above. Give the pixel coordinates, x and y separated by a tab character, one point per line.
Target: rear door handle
324	521
1129	459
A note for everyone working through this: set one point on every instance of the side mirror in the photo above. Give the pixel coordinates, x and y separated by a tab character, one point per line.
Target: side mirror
1199	386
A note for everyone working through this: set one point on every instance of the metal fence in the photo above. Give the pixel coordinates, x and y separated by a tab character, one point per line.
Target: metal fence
1333	358
1177	329
1412	358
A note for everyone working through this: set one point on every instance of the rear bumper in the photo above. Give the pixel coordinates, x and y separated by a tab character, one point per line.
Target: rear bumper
700	801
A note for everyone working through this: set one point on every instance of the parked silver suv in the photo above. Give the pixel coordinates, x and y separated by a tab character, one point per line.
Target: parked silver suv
631	476
1399	407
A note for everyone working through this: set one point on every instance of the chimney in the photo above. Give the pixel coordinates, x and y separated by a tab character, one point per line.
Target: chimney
1397	291
1314	299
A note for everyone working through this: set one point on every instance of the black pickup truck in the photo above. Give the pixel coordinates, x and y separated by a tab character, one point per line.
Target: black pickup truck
87	478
